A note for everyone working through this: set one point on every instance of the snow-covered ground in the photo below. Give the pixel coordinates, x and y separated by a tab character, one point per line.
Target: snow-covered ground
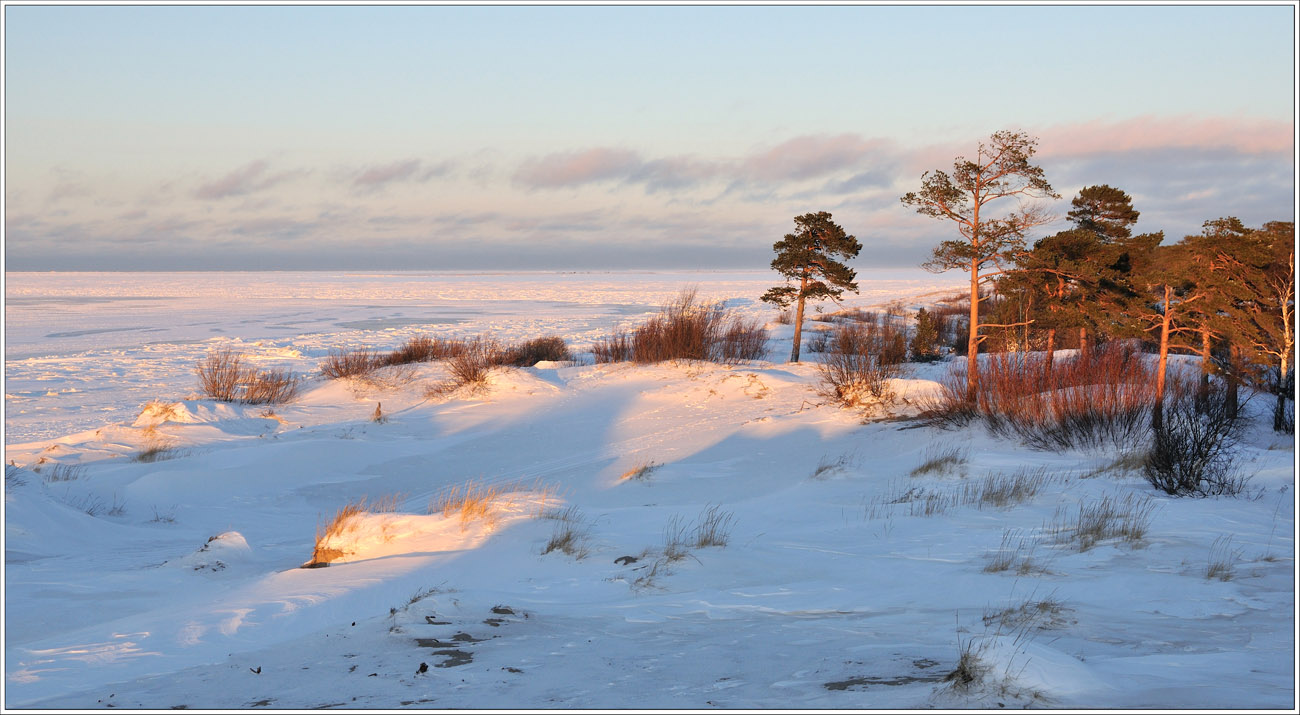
834	588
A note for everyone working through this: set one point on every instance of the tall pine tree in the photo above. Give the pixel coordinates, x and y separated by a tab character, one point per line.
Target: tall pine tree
808	256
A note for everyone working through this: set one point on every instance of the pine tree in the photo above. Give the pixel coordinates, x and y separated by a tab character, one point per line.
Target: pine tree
1103	210
925	340
1000	170
809	256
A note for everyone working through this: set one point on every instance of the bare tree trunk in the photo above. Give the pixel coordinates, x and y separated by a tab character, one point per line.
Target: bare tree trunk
798	317
972	341
1158	411
1279	409
1051	350
1083	343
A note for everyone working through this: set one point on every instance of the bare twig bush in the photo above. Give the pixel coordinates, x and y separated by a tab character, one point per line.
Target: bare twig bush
939	459
531	352
423	348
225	377
1194	450
350	363
1102	399
859	363
222	375
271	387
687	329
785	317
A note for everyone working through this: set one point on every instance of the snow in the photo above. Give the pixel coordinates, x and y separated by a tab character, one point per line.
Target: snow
185	588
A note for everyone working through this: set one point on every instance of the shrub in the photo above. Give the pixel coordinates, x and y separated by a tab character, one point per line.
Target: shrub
1193	452
1100	399
222	375
614	348
687	330
349	363
423	348
531	352
859	364
225	377
271	387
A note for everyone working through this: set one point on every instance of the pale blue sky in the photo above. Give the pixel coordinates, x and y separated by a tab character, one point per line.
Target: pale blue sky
324	137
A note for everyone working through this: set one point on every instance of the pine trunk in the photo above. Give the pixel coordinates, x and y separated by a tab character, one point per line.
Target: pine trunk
1051	351
798	317
1158	411
1234	379
1279	410
1083	343
1203	387
972	341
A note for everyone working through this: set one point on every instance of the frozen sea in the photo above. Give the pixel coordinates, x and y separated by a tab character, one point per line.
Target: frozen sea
87	349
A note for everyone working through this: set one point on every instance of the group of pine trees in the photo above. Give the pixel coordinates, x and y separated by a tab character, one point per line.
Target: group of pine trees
1226	294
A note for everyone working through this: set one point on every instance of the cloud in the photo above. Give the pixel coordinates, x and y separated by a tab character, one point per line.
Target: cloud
377	177
1243	136
247	179
798	159
812	156
576	168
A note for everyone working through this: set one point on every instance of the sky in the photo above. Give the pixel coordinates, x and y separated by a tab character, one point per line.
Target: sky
563	137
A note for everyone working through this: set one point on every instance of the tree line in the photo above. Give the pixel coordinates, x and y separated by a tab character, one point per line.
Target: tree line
1226	294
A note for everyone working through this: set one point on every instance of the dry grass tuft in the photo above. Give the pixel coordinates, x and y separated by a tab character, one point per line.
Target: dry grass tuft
1003	490
713	528
62	473
342	523
1030	614
940	460
827	466
641	472
1015	553
1107	518
1222	564
570	535
471	502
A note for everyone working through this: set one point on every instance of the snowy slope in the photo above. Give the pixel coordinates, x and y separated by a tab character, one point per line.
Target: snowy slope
833	589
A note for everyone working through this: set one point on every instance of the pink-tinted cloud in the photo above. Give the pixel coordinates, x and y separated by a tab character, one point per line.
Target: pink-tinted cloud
246	179
380	175
812	156
1244	136
577	168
